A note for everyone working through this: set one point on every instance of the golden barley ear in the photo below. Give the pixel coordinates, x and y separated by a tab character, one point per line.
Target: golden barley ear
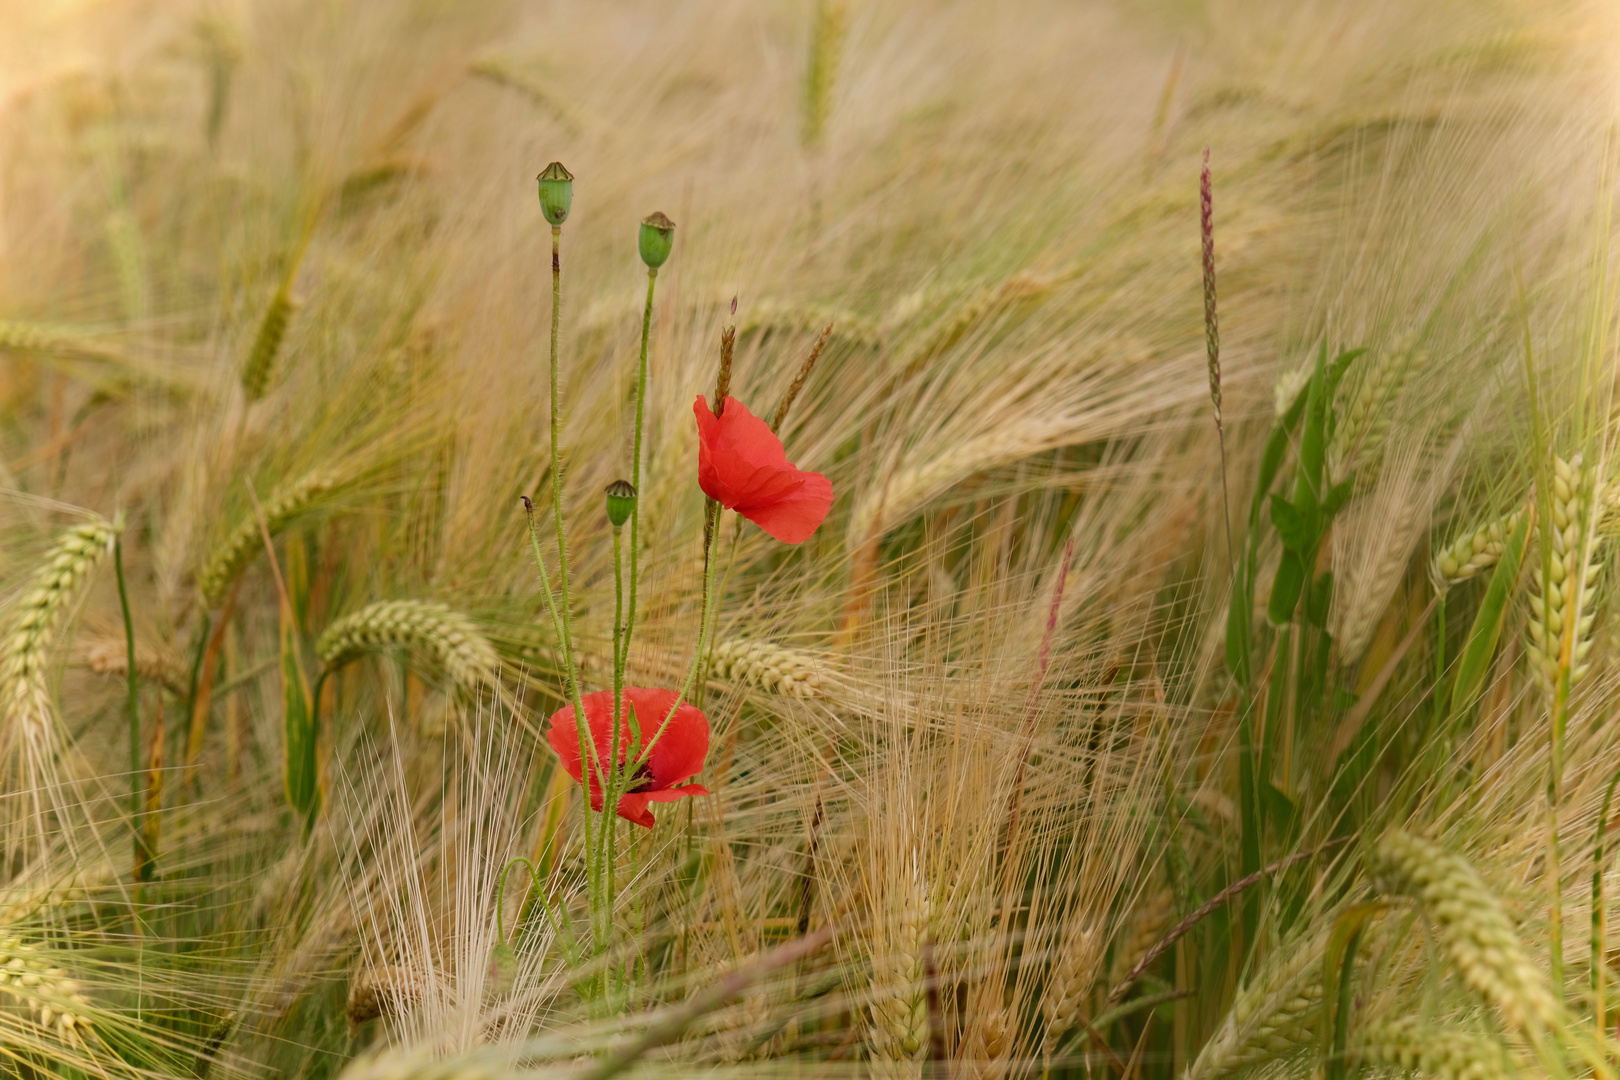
776	668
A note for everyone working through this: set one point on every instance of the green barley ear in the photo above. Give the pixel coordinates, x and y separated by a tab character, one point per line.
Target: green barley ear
1476	932
620	498
285	505
556	193
1563	605
1438	1053
826	45
656	238
447	637
25	650
1474	552
1274	1015
267	342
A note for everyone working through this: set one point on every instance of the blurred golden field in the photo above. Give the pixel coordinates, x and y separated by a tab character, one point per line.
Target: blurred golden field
1102	729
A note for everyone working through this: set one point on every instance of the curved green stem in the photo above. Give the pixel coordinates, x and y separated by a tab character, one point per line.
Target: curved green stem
635	468
705	627
587	747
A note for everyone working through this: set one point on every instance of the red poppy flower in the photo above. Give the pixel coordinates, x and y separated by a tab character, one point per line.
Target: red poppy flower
742	466
677	755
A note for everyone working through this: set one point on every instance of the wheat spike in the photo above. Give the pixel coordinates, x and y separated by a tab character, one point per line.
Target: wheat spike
261	359
1436	1052
1148	923
285	505
1069	986
848	326
909	490
1272	1016
990	1043
1565	602
1476	931
1478	551
381	992
1366	422
826	44
110	656
53	999
897	1035
41	340
528	86
448	636
767	666
980	308
26	649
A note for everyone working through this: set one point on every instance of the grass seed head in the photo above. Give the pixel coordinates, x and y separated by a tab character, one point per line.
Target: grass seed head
447	636
1475	552
1477	932
285	505
1442	1053
770	667
26	650
1564	605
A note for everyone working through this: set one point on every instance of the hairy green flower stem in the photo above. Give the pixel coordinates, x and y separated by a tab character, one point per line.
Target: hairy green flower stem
587	748
623	656
598	860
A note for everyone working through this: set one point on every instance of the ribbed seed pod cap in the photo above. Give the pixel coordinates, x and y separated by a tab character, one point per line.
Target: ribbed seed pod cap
657	237
621	500
556	192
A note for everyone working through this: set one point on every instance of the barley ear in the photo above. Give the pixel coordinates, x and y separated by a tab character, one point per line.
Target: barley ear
53	1000
1477	933
770	667
285	505
25	651
1439	1053
1563	599
446	636
826	45
1474	552
1274	1015
897	1034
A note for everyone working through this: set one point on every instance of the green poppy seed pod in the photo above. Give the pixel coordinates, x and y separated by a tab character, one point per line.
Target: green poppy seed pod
621	501
657	237
556	193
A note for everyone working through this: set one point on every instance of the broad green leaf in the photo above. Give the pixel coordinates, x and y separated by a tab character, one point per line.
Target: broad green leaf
1486	632
1285	589
1290	526
1337	496
1319	599
1335	373
1313	439
298	726
1239	613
